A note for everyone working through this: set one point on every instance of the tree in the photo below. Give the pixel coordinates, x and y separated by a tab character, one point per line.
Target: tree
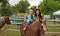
6	11
5	8
57	0
49	6
13	9
22	6
4	2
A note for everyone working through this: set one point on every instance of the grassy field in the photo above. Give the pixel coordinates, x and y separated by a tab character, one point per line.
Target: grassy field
17	33
10	33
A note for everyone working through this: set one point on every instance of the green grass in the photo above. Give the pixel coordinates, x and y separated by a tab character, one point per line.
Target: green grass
10	33
55	33
54	28
17	33
13	27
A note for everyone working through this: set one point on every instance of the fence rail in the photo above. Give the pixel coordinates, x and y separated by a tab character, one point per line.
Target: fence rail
19	21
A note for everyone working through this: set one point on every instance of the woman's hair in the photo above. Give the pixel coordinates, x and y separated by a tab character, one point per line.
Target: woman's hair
39	13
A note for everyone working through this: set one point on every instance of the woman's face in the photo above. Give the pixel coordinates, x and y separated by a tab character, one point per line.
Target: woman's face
37	12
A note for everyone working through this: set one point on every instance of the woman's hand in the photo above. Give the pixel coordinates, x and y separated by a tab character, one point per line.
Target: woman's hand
34	22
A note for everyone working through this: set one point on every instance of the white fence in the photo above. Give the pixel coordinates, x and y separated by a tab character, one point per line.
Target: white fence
18	20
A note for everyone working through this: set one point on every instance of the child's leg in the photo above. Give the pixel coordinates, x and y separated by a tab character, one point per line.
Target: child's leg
27	24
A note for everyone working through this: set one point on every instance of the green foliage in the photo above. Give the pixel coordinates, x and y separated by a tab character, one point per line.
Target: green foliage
4	2
49	6
57	0
13	9
5	9
0	10
22	6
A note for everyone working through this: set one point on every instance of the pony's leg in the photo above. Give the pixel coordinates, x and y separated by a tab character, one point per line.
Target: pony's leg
7	26
1	26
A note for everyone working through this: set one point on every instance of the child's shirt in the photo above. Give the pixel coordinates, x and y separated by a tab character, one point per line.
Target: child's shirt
29	18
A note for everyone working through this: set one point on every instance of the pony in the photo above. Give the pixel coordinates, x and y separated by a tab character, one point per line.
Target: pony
4	20
35	29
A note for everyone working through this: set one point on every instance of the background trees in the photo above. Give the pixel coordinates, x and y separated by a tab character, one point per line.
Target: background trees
49	6
22	6
46	7
5	9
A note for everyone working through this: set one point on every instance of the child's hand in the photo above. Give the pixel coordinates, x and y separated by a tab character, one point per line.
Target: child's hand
24	28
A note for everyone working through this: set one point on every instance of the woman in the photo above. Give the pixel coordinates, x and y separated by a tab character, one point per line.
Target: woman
40	18
38	15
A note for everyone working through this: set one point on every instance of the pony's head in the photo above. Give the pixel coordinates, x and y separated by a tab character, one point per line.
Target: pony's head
7	20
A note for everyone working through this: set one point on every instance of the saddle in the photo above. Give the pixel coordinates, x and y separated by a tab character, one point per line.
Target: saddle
24	24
